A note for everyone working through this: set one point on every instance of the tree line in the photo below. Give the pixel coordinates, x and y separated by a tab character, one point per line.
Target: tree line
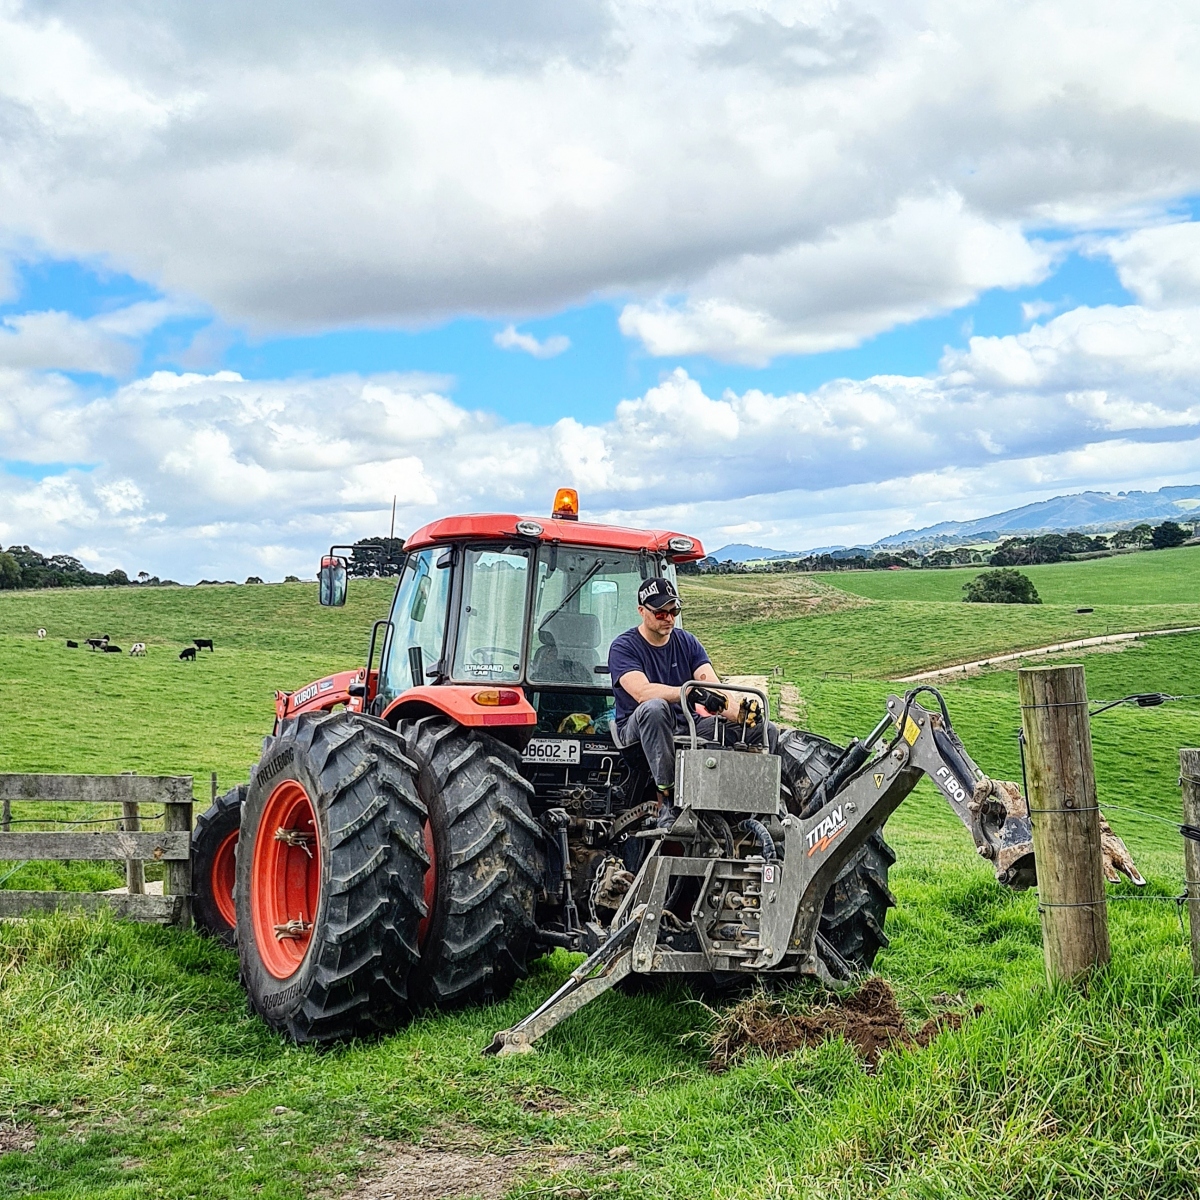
1012	552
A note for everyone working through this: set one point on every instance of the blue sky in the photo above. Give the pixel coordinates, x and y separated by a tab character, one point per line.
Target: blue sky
600	368
299	260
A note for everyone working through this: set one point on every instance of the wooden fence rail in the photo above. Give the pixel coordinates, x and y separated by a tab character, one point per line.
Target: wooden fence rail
170	846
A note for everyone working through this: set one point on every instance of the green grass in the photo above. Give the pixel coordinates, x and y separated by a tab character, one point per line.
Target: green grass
130	1051
1150	577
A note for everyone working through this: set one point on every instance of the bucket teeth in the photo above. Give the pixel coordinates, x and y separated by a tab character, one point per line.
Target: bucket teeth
296	837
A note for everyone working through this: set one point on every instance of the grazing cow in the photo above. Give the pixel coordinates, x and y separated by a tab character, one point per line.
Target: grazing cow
204	644
96	643
188	653
72	645
137	650
41	635
109	648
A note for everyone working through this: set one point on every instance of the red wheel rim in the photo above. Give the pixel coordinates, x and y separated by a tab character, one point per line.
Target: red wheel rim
285	879
430	887
224	875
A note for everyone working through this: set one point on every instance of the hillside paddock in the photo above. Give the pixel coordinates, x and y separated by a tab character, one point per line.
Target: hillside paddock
130	1066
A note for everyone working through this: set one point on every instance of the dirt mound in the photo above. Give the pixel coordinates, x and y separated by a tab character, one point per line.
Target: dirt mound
14	1136
869	1019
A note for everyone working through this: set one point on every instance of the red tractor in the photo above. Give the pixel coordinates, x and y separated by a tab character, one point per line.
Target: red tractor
419	830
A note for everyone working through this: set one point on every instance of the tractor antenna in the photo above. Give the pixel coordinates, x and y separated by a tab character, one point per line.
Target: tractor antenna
392	533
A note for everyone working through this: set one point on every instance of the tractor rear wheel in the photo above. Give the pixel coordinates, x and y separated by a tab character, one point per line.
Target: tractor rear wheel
330	867
214	865
486	863
856	908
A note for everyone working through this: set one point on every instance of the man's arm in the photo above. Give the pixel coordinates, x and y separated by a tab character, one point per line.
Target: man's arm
641	689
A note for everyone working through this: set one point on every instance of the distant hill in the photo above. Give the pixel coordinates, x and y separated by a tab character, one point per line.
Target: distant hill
1089	512
739	552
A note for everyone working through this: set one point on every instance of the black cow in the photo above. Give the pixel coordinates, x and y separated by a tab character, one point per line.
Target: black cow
72	645
188	653
109	648
204	644
97	643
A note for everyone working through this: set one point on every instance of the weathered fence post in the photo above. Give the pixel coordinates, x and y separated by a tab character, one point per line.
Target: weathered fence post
131	822
1189	779
135	870
177	879
1065	820
5	815
213	786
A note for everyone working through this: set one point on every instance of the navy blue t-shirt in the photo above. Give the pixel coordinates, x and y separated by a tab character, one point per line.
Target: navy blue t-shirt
672	664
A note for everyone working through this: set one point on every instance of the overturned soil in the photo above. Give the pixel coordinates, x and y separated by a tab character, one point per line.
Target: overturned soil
449	1172
869	1019
16	1137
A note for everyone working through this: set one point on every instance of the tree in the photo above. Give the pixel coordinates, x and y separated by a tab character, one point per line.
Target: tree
376	556
1001	586
1166	535
10	572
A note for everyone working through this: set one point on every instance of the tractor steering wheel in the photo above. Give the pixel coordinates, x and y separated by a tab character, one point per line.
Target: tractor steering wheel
492	652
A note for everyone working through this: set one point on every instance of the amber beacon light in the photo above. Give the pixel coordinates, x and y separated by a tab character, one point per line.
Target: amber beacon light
566	504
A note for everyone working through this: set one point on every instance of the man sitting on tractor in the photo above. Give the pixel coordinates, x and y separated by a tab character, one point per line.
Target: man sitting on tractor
648	665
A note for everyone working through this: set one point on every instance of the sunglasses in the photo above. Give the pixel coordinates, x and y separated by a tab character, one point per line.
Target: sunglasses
664	612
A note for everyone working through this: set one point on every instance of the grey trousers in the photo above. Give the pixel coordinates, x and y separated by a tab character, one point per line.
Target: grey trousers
655	723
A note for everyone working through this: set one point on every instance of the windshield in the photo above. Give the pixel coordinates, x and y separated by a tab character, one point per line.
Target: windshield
492	621
418	622
583	598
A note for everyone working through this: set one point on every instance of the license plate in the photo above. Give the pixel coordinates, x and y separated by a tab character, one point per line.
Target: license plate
551	750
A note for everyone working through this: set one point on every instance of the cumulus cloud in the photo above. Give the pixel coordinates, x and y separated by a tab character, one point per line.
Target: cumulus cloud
753	180
929	256
1159	265
509	339
106	344
201	475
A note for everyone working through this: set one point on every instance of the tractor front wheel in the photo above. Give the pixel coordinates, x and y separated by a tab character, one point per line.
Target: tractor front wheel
330	870
214	865
855	909
486	863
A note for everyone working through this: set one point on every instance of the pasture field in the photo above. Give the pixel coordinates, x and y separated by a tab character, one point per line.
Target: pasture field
130	1062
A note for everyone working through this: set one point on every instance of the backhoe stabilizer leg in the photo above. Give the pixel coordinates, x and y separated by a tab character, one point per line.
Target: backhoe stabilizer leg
593	977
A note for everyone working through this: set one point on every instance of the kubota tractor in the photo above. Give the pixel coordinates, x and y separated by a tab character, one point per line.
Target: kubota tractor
417	831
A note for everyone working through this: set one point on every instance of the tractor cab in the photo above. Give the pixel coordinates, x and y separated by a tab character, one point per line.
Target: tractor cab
505	622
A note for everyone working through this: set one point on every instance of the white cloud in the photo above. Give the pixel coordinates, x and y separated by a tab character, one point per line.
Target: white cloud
197	475
754	180
1160	265
105	344
930	255
1032	310
509	339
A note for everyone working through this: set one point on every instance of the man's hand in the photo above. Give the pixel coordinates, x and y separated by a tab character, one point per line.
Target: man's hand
710	700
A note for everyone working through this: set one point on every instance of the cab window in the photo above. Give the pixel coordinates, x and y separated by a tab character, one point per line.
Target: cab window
418	621
491	622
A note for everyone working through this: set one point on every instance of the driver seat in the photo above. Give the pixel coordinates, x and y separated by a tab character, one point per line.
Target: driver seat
569	650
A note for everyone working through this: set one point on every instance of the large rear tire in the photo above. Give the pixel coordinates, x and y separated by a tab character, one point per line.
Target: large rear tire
214	866
486	865
330	867
855	909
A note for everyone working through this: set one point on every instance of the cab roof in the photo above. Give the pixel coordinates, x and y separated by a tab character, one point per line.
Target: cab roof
484	526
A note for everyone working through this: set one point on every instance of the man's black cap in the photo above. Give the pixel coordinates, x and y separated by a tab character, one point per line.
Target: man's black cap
658	593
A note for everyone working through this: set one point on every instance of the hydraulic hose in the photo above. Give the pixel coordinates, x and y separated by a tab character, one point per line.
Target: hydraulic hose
759	832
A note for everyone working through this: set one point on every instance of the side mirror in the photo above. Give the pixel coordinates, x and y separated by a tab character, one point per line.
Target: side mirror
333	580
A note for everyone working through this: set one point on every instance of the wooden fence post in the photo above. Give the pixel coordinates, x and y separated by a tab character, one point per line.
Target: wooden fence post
135	870
1189	780
178	874
213	786
1065	820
